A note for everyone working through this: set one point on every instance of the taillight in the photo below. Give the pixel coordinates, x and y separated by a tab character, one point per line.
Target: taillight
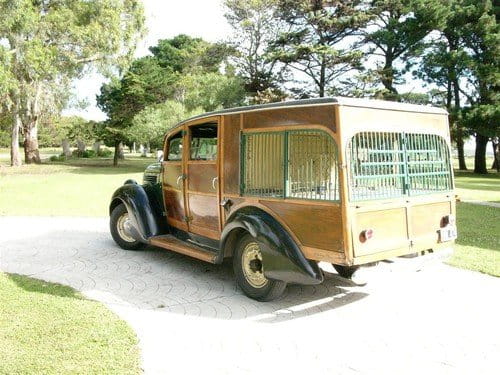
448	220
366	235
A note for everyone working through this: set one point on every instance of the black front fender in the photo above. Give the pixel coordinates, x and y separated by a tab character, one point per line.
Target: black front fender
143	208
282	258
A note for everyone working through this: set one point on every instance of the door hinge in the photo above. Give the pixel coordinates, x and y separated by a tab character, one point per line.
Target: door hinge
187	219
164	213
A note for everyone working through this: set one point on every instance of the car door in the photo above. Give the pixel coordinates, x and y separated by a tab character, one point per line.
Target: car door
202	186
174	179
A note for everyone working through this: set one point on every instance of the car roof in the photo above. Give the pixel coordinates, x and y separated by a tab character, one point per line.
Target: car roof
352	102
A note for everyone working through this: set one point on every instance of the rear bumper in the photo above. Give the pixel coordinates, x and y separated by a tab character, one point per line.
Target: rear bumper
429	252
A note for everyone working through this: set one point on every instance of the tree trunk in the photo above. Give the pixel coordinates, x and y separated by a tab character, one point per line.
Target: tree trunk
80	145
15	155
117	151
121	155
460	150
496	154
460	134
66	148
31	152
480	155
322	79
97	147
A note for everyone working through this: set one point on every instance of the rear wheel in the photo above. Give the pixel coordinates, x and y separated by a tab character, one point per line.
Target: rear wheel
119	225
249	272
345	271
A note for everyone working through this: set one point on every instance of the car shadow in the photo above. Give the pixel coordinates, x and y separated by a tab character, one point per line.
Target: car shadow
161	280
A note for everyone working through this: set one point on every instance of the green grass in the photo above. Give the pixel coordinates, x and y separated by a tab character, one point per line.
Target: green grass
470	186
48	328
478	244
78	187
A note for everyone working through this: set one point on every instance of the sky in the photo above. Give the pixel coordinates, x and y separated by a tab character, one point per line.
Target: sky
164	19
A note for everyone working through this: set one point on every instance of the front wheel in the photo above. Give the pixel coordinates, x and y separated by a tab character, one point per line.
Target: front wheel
119	225
249	272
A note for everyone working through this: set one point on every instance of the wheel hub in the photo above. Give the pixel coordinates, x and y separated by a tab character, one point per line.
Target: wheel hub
123	225
252	265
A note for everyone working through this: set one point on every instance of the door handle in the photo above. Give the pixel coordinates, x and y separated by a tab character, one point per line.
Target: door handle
213	182
181	177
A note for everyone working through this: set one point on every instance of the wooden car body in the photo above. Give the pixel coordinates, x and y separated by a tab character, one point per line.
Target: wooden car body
344	181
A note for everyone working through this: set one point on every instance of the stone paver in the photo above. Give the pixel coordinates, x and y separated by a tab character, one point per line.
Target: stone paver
190	317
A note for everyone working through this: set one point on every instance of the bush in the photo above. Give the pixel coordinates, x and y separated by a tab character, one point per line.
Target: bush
104	153
61	157
84	154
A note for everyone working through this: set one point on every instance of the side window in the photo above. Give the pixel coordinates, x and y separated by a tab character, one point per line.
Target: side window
175	147
300	164
203	144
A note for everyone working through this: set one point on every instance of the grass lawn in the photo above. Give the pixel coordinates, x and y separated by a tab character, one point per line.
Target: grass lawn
78	187
478	244
48	328
470	186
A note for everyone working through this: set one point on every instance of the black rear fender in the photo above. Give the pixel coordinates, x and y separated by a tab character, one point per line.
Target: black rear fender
282	257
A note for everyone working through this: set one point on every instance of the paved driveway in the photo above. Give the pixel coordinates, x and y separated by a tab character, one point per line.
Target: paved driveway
190	318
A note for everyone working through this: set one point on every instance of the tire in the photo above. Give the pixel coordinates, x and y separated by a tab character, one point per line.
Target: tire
248	271
345	271
117	220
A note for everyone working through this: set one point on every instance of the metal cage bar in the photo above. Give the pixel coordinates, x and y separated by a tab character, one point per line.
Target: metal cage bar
389	165
299	164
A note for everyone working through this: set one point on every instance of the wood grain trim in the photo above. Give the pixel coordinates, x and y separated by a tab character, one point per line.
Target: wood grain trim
183	249
202	161
345	212
291	128
270	212
172	189
213	234
304	202
193	192
177	223
321	255
203	120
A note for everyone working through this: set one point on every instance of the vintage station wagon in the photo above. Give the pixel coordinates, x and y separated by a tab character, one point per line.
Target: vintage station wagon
283	186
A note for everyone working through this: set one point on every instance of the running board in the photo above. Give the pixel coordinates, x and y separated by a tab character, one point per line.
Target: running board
170	242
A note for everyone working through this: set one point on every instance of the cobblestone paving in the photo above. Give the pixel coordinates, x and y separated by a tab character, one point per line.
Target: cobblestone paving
190	317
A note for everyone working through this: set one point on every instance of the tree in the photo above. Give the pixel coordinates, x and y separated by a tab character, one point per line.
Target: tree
165	76
395	34
210	91
46	44
316	42
255	26
445	64
482	40
150	125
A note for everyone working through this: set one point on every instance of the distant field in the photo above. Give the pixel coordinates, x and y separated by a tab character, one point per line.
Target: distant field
78	187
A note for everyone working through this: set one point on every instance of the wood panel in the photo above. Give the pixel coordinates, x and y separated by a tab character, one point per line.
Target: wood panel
315	226
174	203
200	177
231	154
426	220
204	212
389	230
171	172
319	115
